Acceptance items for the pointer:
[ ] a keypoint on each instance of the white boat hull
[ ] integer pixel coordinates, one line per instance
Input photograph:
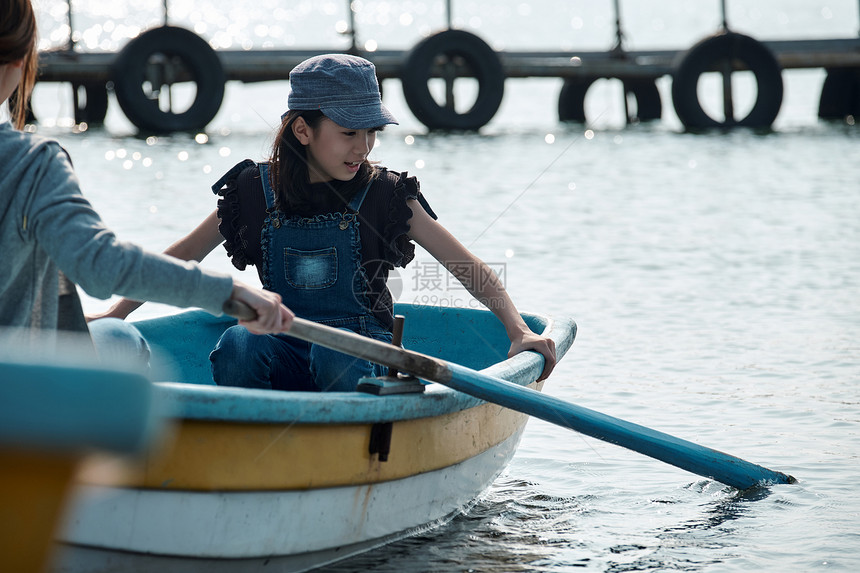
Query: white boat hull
(141, 531)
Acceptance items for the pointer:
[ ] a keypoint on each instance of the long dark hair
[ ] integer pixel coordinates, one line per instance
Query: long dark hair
(288, 165)
(17, 42)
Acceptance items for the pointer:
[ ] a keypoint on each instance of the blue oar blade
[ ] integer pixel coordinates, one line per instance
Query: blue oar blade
(686, 455)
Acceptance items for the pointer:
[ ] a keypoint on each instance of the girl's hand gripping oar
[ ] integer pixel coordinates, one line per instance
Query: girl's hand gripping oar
(686, 455)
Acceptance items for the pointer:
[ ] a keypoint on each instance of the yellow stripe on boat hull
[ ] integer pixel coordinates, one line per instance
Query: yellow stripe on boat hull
(229, 456)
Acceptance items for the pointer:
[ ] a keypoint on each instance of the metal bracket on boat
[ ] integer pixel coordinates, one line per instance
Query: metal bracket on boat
(394, 382)
(387, 385)
(380, 440)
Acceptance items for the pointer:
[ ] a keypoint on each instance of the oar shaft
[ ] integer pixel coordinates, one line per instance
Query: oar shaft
(407, 361)
(681, 453)
(354, 344)
(686, 455)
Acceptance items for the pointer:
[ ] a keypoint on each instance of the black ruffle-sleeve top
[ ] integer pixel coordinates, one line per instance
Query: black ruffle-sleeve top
(383, 217)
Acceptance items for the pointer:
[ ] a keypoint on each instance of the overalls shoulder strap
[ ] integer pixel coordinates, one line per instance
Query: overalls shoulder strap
(356, 202)
(267, 185)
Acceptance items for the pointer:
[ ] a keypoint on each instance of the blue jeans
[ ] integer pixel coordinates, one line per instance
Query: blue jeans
(120, 342)
(280, 362)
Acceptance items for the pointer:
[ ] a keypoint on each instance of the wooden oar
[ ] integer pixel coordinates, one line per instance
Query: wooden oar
(694, 458)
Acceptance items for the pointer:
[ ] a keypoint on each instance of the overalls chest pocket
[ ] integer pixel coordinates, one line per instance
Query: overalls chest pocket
(310, 269)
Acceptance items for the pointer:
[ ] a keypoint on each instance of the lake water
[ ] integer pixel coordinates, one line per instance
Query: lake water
(715, 278)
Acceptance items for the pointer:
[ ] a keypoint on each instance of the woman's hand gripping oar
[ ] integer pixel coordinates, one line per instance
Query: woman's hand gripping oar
(686, 455)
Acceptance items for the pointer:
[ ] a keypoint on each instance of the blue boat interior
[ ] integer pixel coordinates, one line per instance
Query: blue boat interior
(470, 337)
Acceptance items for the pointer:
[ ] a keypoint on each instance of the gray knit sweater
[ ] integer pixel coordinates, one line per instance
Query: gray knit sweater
(46, 226)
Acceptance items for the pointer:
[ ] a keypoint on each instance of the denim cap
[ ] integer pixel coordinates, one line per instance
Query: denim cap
(341, 86)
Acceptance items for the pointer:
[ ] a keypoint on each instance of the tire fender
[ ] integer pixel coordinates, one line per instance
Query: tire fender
(93, 108)
(840, 94)
(705, 56)
(483, 63)
(185, 54)
(571, 100)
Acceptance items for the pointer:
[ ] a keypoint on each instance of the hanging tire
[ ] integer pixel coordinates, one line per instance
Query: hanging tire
(91, 103)
(571, 100)
(162, 57)
(706, 56)
(453, 48)
(840, 94)
(649, 106)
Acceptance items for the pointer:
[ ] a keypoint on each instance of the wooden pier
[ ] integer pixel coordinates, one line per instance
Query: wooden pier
(250, 66)
(142, 72)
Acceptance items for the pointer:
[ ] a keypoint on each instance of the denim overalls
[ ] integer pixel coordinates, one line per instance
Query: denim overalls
(315, 265)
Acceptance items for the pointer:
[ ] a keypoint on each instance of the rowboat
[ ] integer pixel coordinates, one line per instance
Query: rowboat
(56, 415)
(291, 481)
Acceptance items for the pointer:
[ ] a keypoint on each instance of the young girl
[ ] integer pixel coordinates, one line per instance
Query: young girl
(323, 227)
(51, 237)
